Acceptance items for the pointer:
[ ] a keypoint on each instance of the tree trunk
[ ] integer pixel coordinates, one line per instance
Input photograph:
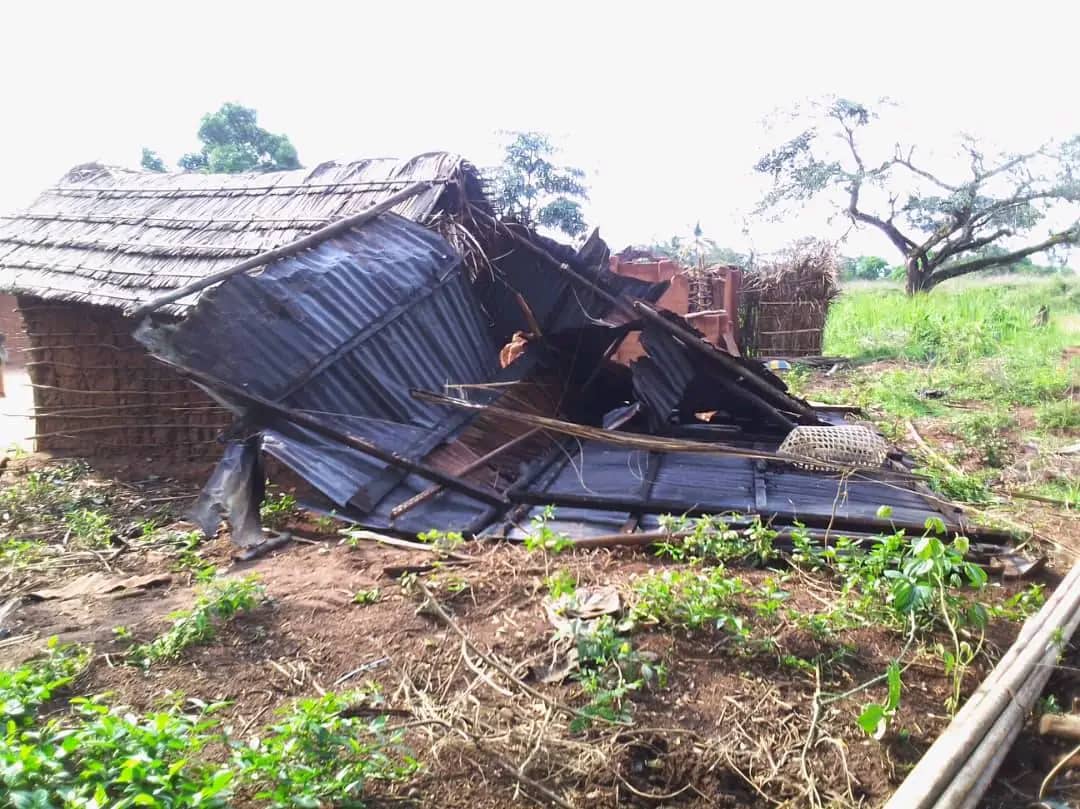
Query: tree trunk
(918, 275)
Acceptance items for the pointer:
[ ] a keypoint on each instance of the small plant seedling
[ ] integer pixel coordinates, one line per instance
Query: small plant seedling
(276, 511)
(875, 717)
(326, 523)
(542, 537)
(89, 527)
(365, 597)
(443, 541)
(219, 602)
(561, 583)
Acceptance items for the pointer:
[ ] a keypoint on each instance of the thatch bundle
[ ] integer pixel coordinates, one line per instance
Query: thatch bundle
(785, 301)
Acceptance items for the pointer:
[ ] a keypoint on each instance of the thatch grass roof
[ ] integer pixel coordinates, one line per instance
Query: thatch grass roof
(117, 237)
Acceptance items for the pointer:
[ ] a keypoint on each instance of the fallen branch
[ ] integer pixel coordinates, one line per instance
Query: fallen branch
(931, 453)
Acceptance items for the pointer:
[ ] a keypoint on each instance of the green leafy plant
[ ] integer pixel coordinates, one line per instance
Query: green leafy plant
(691, 599)
(90, 527)
(711, 538)
(609, 670)
(365, 597)
(875, 717)
(219, 602)
(443, 541)
(561, 583)
(1063, 414)
(543, 537)
(24, 689)
(317, 754)
(104, 756)
(277, 510)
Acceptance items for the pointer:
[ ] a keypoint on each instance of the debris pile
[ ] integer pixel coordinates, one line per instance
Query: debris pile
(369, 364)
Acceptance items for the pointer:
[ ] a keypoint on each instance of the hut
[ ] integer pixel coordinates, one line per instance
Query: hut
(105, 240)
(785, 302)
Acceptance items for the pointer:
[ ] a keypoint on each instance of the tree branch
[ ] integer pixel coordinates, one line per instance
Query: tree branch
(966, 243)
(1070, 236)
(901, 242)
(906, 163)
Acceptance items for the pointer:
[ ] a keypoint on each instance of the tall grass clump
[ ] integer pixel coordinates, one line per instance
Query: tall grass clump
(948, 325)
(997, 342)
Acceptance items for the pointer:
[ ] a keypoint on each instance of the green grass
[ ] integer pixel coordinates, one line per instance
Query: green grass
(977, 343)
(989, 346)
(950, 325)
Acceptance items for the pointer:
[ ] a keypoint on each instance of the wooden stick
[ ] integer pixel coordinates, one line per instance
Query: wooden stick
(312, 239)
(481, 493)
(1063, 726)
(472, 466)
(959, 759)
(931, 453)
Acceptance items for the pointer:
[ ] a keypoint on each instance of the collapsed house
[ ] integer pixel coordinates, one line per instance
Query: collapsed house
(433, 367)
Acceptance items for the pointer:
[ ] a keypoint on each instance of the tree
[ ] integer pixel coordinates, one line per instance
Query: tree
(234, 142)
(532, 189)
(864, 268)
(151, 161)
(939, 223)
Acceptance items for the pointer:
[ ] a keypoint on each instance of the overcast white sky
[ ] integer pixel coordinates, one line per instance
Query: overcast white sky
(662, 103)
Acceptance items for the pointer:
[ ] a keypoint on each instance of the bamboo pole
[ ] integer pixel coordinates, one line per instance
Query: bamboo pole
(1004, 699)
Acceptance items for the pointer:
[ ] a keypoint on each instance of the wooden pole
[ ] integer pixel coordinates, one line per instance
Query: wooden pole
(285, 250)
(947, 774)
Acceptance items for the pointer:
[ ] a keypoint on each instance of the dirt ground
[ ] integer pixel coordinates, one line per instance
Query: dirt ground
(729, 728)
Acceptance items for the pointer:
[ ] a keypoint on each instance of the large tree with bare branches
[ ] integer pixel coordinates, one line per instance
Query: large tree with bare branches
(941, 221)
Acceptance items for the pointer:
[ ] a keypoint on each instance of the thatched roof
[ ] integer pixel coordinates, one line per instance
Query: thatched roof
(117, 237)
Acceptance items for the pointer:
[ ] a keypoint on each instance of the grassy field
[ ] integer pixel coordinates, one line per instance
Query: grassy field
(988, 367)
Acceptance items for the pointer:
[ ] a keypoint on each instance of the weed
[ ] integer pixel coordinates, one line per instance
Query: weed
(1049, 704)
(983, 432)
(317, 755)
(609, 670)
(90, 527)
(1060, 415)
(326, 523)
(16, 553)
(1022, 605)
(443, 541)
(111, 757)
(690, 599)
(710, 537)
(543, 538)
(561, 583)
(365, 597)
(219, 602)
(24, 689)
(875, 717)
(276, 511)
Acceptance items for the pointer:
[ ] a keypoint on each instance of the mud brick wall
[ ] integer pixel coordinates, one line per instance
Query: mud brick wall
(97, 393)
(13, 329)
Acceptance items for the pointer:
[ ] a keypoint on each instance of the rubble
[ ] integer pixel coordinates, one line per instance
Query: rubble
(412, 392)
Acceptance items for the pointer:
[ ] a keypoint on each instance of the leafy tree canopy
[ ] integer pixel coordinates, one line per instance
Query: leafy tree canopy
(151, 161)
(864, 268)
(234, 142)
(940, 223)
(531, 188)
